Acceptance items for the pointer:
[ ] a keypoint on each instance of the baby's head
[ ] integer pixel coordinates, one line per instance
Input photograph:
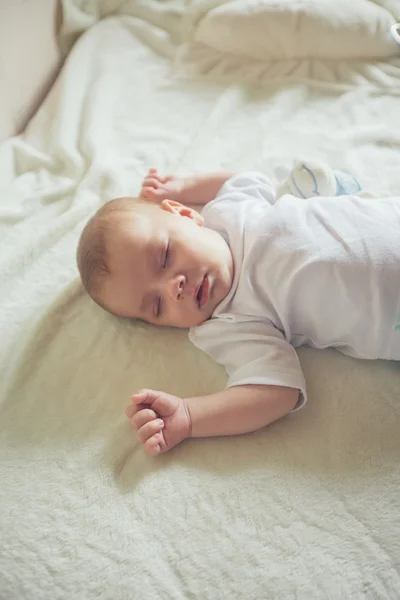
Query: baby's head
(156, 262)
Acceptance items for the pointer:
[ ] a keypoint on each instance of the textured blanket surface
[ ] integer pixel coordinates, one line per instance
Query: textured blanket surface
(305, 509)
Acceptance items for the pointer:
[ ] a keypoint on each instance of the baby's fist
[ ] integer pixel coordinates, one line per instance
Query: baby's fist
(161, 421)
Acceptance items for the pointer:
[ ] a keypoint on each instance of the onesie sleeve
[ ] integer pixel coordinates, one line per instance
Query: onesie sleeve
(252, 352)
(248, 184)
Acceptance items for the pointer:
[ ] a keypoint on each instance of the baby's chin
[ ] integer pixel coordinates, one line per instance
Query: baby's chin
(189, 323)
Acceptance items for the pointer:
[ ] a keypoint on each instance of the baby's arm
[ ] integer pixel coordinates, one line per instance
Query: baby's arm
(239, 409)
(162, 421)
(197, 189)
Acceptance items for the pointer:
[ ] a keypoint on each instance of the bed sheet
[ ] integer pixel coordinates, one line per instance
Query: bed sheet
(307, 508)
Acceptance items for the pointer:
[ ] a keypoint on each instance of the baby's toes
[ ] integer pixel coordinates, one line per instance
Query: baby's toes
(148, 430)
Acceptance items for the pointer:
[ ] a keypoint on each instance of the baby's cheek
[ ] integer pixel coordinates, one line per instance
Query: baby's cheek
(179, 316)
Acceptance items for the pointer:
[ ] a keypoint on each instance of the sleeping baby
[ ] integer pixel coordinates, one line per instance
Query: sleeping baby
(256, 274)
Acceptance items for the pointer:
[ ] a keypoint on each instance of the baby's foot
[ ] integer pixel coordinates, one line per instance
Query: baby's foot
(157, 188)
(312, 178)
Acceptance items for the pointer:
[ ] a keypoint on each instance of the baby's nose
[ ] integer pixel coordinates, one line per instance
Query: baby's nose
(176, 287)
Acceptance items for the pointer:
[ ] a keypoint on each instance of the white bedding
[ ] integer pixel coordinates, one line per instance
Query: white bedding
(306, 509)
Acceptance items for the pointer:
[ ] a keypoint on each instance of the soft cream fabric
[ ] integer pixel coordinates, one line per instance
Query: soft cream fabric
(306, 509)
(29, 59)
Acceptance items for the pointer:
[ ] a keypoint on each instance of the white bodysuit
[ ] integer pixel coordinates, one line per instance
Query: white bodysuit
(322, 271)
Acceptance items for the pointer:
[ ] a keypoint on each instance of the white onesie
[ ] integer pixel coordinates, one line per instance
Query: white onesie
(323, 272)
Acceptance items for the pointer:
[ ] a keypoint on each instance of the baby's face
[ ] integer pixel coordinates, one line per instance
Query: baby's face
(165, 267)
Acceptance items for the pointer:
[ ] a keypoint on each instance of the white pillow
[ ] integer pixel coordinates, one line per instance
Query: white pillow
(292, 29)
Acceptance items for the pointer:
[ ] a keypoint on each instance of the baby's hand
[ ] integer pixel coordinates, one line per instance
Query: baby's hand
(161, 421)
(157, 188)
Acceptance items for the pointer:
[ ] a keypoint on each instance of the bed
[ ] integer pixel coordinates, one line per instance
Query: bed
(305, 509)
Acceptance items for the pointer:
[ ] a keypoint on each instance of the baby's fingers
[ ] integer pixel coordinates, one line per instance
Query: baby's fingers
(142, 417)
(142, 413)
(163, 404)
(153, 445)
(151, 182)
(149, 430)
(154, 174)
(153, 194)
(145, 397)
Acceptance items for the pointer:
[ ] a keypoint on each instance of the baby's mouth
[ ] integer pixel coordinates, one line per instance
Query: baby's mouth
(202, 292)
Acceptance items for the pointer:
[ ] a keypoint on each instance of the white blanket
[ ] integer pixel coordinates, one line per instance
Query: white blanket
(307, 508)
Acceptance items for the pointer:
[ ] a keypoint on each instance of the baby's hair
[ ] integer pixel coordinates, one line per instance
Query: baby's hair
(92, 252)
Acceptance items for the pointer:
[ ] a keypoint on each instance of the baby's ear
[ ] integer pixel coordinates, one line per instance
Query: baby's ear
(176, 208)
